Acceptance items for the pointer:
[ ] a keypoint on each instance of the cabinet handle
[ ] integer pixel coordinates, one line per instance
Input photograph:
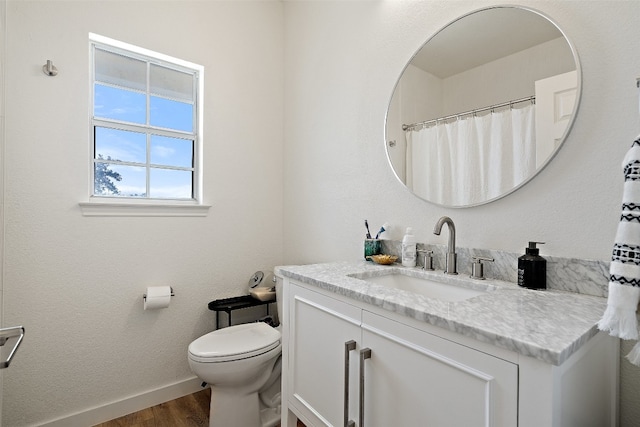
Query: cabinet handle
(365, 353)
(349, 346)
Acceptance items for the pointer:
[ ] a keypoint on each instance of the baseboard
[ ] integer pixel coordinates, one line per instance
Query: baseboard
(107, 412)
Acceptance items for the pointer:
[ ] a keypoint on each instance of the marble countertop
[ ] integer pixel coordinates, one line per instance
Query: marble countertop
(548, 325)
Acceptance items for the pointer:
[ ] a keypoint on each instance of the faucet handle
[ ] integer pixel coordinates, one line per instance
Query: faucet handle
(477, 268)
(428, 259)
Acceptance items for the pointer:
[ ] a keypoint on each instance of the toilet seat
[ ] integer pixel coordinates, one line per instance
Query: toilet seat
(234, 343)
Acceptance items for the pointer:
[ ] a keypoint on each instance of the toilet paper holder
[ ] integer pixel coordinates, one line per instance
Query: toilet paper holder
(144, 296)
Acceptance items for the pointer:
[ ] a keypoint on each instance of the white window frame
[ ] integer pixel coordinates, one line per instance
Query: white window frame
(100, 205)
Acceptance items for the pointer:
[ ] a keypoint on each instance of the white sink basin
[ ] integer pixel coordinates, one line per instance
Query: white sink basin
(430, 288)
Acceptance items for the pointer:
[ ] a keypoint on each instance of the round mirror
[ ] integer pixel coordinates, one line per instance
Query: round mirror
(483, 106)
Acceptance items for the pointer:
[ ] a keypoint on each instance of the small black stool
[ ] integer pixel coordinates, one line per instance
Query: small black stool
(229, 305)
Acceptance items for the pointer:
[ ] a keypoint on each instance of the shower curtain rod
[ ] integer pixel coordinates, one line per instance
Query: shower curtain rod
(466, 113)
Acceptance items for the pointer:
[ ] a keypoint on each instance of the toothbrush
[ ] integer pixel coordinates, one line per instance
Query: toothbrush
(366, 224)
(382, 230)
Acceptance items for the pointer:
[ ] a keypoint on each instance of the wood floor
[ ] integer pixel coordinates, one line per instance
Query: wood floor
(188, 411)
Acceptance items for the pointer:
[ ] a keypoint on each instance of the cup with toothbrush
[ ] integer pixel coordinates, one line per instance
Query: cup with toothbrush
(372, 246)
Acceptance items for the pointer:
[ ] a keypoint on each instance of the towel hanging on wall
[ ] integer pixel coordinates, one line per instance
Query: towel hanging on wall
(619, 318)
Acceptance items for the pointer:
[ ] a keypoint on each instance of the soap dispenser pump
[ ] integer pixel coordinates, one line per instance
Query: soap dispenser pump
(532, 268)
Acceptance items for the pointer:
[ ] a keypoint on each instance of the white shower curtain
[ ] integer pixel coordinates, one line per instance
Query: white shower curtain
(474, 159)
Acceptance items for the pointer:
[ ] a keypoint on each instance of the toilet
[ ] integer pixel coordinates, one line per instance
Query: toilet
(242, 364)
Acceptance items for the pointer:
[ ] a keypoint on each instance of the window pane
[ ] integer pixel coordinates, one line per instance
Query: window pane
(120, 70)
(145, 113)
(171, 114)
(171, 83)
(119, 104)
(113, 144)
(171, 151)
(124, 181)
(171, 184)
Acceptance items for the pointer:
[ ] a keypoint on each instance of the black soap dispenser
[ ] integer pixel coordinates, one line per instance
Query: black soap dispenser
(532, 268)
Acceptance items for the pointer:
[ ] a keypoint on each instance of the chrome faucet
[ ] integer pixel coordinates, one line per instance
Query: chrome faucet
(450, 262)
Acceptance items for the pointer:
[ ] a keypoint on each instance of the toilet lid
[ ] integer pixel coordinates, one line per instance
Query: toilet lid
(235, 342)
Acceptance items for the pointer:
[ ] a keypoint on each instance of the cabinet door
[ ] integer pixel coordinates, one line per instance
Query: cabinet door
(417, 379)
(319, 328)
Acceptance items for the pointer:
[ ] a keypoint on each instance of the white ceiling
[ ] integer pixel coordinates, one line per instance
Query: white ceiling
(483, 37)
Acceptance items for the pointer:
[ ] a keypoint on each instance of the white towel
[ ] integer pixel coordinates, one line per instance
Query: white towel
(619, 318)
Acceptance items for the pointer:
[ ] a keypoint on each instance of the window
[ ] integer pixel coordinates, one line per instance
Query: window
(146, 127)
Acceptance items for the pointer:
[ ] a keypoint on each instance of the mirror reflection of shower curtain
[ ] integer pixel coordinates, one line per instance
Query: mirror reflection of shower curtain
(474, 159)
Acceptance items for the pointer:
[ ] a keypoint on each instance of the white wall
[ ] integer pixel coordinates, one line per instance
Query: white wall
(507, 78)
(343, 59)
(421, 95)
(75, 282)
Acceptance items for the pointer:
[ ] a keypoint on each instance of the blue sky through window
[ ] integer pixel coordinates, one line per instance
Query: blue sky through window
(130, 146)
(171, 114)
(120, 104)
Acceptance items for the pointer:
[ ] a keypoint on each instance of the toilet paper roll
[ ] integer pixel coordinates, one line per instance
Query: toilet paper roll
(157, 297)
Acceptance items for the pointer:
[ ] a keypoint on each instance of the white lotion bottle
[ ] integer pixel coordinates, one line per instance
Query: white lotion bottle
(409, 249)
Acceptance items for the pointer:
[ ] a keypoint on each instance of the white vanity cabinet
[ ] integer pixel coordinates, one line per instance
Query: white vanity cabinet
(414, 378)
(401, 372)
(411, 377)
(319, 330)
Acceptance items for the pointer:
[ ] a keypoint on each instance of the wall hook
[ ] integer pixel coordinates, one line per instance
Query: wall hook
(49, 69)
